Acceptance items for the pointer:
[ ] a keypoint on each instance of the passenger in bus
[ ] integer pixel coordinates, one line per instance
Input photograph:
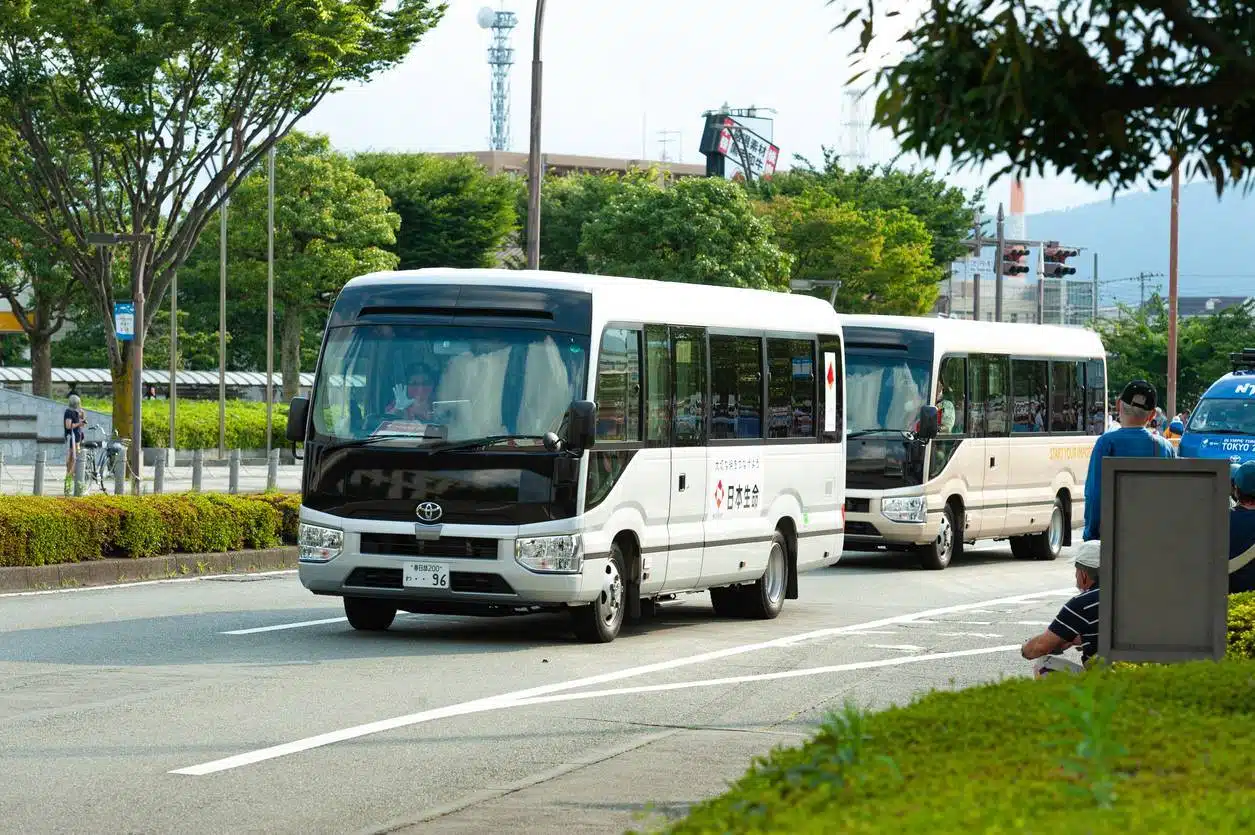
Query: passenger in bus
(945, 410)
(1132, 440)
(1242, 531)
(412, 400)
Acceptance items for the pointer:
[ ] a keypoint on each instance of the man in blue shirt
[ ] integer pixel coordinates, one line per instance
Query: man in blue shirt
(1077, 622)
(1131, 440)
(1242, 531)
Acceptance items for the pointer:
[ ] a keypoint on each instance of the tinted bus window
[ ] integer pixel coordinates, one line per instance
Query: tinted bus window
(791, 390)
(1028, 412)
(619, 386)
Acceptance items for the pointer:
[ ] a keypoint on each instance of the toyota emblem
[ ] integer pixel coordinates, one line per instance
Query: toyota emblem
(429, 512)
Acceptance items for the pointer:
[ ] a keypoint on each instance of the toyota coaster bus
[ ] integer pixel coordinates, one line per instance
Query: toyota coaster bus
(1015, 409)
(493, 442)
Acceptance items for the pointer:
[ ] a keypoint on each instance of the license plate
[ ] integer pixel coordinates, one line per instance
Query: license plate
(425, 575)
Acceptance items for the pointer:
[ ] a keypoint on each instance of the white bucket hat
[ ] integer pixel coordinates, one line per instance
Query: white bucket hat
(1088, 554)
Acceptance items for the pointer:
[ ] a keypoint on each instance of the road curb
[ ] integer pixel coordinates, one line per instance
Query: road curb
(113, 571)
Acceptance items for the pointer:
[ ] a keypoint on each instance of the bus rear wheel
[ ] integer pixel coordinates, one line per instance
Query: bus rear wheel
(1048, 544)
(939, 553)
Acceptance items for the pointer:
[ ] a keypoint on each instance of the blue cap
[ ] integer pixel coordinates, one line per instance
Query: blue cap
(1177, 426)
(1244, 478)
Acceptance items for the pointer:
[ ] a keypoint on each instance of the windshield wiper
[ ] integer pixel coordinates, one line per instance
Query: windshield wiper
(485, 441)
(1222, 432)
(371, 440)
(861, 432)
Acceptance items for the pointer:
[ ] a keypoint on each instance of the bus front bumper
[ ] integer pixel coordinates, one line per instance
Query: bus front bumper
(867, 525)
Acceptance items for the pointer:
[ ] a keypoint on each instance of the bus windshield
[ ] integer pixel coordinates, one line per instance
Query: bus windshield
(446, 383)
(1224, 416)
(884, 390)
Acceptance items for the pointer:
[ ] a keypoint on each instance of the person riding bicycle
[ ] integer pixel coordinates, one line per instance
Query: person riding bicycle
(73, 420)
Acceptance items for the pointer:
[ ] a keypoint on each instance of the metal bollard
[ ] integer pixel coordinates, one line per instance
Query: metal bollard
(80, 485)
(159, 472)
(198, 469)
(41, 461)
(272, 470)
(119, 474)
(233, 472)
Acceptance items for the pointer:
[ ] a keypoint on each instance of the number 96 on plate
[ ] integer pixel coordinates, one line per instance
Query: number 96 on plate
(425, 575)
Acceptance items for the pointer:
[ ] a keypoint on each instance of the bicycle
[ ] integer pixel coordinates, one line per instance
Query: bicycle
(101, 457)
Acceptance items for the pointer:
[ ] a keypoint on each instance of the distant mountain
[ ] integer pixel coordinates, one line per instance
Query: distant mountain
(1131, 236)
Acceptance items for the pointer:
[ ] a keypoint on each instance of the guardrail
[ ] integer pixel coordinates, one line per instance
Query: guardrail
(105, 474)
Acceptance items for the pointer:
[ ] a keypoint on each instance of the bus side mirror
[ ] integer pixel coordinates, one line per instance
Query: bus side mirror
(298, 415)
(927, 423)
(581, 425)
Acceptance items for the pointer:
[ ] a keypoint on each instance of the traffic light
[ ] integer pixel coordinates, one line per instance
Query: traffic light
(1055, 257)
(1013, 256)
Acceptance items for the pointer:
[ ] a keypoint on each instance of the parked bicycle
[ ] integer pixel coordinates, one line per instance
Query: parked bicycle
(101, 457)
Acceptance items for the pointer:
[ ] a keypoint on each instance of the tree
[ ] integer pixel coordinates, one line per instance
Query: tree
(700, 230)
(1137, 346)
(165, 105)
(946, 211)
(1104, 89)
(453, 212)
(882, 258)
(39, 290)
(331, 224)
(569, 202)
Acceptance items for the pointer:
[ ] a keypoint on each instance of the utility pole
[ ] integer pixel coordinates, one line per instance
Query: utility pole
(1095, 299)
(1002, 244)
(978, 244)
(1172, 288)
(535, 170)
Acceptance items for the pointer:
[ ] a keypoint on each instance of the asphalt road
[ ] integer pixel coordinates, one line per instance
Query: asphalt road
(248, 705)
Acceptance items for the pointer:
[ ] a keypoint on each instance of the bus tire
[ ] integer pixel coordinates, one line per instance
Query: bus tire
(600, 621)
(1022, 547)
(367, 615)
(727, 601)
(1048, 544)
(764, 599)
(939, 553)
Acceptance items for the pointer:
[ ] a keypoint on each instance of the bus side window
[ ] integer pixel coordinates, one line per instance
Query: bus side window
(657, 385)
(978, 388)
(689, 353)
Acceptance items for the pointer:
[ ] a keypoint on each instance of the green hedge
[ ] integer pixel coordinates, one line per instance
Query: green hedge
(42, 530)
(197, 423)
(1135, 748)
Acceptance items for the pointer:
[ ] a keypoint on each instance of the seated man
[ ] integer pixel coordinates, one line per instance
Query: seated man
(1077, 622)
(1242, 530)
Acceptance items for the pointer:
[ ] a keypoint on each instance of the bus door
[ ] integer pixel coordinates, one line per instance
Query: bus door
(686, 527)
(987, 510)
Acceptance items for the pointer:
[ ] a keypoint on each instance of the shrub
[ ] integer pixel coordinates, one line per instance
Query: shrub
(41, 530)
(196, 423)
(1153, 748)
(1242, 625)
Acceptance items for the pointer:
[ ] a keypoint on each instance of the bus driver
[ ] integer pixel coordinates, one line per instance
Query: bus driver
(413, 399)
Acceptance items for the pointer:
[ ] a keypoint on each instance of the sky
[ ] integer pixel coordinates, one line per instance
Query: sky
(617, 74)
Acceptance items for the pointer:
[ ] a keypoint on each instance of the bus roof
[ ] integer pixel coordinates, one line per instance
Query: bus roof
(1236, 384)
(965, 335)
(617, 298)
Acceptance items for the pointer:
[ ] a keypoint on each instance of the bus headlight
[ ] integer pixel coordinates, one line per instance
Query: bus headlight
(551, 554)
(319, 544)
(904, 508)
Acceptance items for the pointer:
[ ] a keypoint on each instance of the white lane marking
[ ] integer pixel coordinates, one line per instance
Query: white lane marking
(169, 581)
(904, 647)
(280, 626)
(491, 702)
(968, 635)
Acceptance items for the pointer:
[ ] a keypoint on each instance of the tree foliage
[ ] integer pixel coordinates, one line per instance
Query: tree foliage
(699, 230)
(118, 116)
(1104, 89)
(1137, 347)
(453, 212)
(881, 257)
(331, 224)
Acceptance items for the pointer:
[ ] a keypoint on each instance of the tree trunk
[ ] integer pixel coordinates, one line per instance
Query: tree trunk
(290, 350)
(41, 363)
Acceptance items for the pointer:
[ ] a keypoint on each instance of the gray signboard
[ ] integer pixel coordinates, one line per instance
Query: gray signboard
(1165, 550)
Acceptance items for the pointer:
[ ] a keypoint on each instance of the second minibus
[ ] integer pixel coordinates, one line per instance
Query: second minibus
(1017, 409)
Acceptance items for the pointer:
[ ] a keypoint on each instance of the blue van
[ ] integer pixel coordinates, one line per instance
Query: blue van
(1222, 425)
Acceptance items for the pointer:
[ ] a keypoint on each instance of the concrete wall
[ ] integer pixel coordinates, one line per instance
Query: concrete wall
(28, 423)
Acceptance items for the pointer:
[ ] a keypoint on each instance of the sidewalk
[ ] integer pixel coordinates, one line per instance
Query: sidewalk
(20, 479)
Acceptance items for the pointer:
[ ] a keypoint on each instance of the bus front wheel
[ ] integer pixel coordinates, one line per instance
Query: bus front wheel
(368, 615)
(938, 554)
(599, 622)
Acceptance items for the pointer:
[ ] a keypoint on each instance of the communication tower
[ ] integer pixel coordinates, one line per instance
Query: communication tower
(855, 129)
(500, 59)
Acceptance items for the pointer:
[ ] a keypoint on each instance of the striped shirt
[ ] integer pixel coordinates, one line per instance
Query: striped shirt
(1079, 616)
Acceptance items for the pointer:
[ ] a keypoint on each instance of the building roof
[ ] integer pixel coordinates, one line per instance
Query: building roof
(1204, 305)
(502, 161)
(152, 376)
